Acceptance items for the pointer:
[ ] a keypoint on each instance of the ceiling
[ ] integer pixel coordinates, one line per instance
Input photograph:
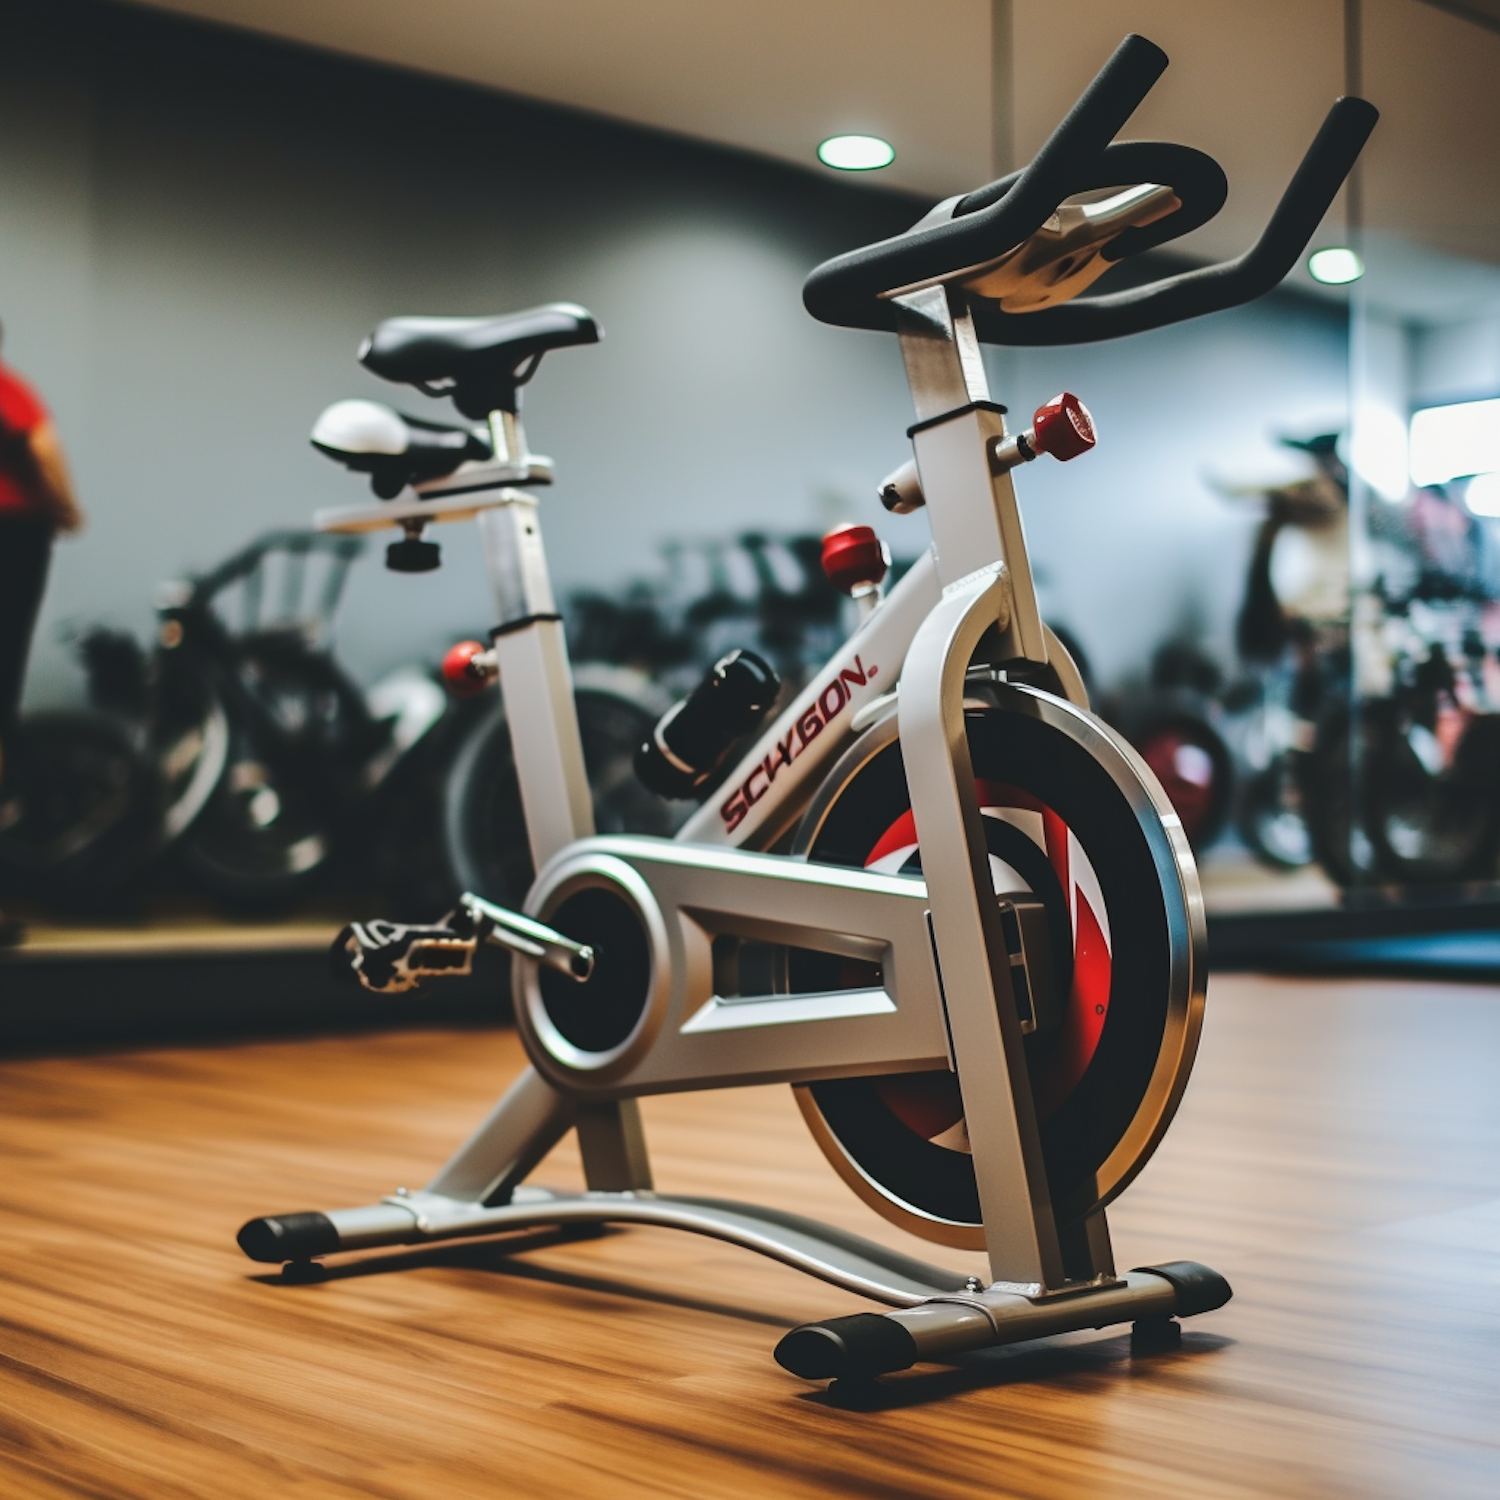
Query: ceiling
(962, 87)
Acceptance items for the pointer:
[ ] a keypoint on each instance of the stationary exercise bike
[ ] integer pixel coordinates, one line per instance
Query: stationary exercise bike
(935, 894)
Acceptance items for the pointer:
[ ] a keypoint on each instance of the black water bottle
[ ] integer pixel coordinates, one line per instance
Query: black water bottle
(692, 739)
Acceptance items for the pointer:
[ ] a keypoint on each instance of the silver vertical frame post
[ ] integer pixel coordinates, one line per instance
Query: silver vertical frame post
(987, 586)
(1023, 1247)
(536, 682)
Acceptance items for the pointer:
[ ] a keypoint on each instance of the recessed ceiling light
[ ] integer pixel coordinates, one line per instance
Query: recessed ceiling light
(856, 153)
(1335, 266)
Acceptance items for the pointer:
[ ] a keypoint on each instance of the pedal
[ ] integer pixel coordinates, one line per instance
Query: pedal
(391, 958)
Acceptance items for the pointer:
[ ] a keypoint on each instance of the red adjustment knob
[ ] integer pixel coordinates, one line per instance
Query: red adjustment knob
(854, 556)
(465, 673)
(1063, 428)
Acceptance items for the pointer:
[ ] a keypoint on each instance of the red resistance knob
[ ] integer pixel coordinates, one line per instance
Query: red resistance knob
(1063, 428)
(853, 556)
(467, 668)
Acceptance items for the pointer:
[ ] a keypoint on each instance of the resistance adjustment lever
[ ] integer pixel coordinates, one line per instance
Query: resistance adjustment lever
(391, 958)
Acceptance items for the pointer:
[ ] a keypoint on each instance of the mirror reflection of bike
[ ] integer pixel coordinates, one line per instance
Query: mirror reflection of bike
(757, 590)
(246, 743)
(1414, 797)
(241, 745)
(1292, 635)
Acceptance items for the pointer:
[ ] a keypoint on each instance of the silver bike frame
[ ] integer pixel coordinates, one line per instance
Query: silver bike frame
(945, 997)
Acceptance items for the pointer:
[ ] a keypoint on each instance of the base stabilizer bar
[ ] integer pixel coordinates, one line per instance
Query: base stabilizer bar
(864, 1345)
(424, 1218)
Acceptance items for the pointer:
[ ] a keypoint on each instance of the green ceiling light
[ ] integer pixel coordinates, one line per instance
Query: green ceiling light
(856, 153)
(1335, 266)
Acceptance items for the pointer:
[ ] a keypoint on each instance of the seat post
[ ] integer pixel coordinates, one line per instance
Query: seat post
(536, 679)
(508, 436)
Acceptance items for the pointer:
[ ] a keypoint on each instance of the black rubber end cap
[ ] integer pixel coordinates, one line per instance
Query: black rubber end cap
(860, 1346)
(289, 1237)
(1199, 1289)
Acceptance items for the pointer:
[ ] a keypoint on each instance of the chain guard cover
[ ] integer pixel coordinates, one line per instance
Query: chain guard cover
(1073, 816)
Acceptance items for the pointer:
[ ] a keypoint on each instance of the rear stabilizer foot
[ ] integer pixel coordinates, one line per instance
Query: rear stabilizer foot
(858, 1347)
(1199, 1288)
(1155, 1335)
(304, 1272)
(289, 1237)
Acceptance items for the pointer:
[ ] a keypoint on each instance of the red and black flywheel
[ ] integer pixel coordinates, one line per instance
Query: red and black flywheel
(1074, 819)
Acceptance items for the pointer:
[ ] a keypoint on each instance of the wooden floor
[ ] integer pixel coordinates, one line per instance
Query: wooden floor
(1338, 1158)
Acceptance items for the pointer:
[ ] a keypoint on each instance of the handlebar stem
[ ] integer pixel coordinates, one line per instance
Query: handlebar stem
(976, 523)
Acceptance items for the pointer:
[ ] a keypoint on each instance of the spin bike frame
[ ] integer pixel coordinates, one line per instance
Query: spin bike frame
(971, 593)
(945, 997)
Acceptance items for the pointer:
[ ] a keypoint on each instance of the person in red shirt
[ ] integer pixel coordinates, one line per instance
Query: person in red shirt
(36, 502)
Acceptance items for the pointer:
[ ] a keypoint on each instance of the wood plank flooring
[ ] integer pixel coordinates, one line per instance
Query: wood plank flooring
(1338, 1158)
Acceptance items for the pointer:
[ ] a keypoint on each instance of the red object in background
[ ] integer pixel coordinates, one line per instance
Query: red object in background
(1063, 428)
(854, 555)
(462, 678)
(21, 413)
(1188, 775)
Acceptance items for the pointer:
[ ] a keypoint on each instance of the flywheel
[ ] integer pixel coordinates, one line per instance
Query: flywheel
(1075, 819)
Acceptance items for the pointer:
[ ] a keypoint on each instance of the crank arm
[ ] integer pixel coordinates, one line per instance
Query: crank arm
(525, 935)
(393, 958)
(686, 1015)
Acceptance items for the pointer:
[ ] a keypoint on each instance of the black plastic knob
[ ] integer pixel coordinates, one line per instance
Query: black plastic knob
(412, 555)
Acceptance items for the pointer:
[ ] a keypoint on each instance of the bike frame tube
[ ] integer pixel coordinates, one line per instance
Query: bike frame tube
(774, 779)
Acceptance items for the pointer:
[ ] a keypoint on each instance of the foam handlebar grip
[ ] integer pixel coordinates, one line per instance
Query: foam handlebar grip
(848, 290)
(1308, 196)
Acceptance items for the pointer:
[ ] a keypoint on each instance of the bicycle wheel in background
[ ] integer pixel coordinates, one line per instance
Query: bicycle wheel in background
(486, 831)
(1430, 823)
(81, 808)
(1338, 844)
(1192, 762)
(271, 827)
(1270, 817)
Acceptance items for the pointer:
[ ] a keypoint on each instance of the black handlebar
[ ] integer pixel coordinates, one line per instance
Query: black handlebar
(853, 290)
(1072, 149)
(848, 290)
(1212, 288)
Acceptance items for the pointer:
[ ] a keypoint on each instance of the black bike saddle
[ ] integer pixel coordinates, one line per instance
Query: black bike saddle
(395, 451)
(480, 362)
